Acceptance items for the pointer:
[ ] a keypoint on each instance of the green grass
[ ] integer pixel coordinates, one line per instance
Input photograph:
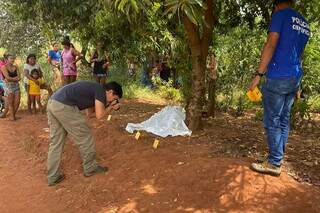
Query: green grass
(162, 94)
(315, 103)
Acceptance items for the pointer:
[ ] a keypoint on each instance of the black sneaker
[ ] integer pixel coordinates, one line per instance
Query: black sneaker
(97, 170)
(58, 180)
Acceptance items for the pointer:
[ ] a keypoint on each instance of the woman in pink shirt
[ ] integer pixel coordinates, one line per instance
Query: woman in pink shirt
(69, 57)
(3, 62)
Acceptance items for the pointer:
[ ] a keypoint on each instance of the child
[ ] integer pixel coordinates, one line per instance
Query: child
(34, 90)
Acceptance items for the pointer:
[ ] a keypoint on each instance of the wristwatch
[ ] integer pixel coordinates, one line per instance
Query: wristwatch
(258, 73)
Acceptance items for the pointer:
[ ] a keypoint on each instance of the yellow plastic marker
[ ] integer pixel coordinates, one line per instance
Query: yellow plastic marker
(109, 118)
(137, 135)
(254, 95)
(155, 143)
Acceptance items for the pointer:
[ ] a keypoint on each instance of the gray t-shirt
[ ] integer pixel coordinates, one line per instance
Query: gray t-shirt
(81, 94)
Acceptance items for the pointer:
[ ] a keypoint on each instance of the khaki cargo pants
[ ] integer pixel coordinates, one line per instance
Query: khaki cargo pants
(64, 119)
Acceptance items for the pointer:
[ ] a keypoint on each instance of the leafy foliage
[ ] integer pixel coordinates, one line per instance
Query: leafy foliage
(18, 35)
(146, 30)
(311, 63)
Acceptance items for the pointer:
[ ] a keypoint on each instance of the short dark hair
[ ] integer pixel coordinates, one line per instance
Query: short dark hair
(34, 71)
(5, 55)
(31, 55)
(66, 41)
(115, 87)
(276, 2)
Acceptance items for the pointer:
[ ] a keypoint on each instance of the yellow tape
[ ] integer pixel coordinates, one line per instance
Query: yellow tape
(155, 143)
(137, 135)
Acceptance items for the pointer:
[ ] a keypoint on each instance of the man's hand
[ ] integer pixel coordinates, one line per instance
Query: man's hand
(254, 82)
(115, 105)
(90, 112)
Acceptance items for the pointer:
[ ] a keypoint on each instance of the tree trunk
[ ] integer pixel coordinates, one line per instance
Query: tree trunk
(211, 97)
(198, 42)
(198, 92)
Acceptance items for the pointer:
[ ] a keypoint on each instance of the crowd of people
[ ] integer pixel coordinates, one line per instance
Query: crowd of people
(64, 71)
(65, 103)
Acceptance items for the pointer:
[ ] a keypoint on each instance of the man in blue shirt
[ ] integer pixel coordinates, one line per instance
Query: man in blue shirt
(54, 59)
(281, 63)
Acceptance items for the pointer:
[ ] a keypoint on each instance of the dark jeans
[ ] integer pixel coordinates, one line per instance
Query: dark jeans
(278, 97)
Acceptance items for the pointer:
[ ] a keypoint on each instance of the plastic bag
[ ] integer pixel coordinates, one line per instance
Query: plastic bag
(169, 121)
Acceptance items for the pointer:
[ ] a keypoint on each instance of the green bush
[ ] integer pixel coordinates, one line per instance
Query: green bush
(238, 54)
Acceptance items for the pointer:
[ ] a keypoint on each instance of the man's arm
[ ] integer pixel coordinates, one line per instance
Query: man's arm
(89, 112)
(266, 56)
(268, 51)
(101, 111)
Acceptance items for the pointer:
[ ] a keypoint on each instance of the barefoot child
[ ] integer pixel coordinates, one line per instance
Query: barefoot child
(34, 90)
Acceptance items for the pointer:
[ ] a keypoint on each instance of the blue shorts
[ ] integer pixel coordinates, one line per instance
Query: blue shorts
(11, 88)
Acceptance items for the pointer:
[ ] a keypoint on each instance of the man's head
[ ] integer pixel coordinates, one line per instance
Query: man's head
(279, 4)
(113, 92)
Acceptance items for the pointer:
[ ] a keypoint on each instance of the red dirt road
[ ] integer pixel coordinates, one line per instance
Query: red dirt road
(179, 176)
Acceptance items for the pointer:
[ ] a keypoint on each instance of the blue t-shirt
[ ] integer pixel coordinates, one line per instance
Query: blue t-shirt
(294, 34)
(56, 56)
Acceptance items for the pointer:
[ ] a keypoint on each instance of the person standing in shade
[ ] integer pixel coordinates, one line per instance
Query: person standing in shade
(54, 59)
(64, 117)
(69, 58)
(281, 63)
(31, 64)
(11, 77)
(101, 64)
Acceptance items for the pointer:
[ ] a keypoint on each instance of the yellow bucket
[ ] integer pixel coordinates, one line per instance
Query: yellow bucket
(254, 95)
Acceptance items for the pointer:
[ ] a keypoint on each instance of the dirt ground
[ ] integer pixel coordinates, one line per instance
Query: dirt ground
(207, 172)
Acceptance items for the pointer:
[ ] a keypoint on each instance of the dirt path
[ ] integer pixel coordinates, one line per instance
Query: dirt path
(182, 175)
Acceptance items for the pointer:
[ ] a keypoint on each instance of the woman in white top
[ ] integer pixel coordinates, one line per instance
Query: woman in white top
(31, 64)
